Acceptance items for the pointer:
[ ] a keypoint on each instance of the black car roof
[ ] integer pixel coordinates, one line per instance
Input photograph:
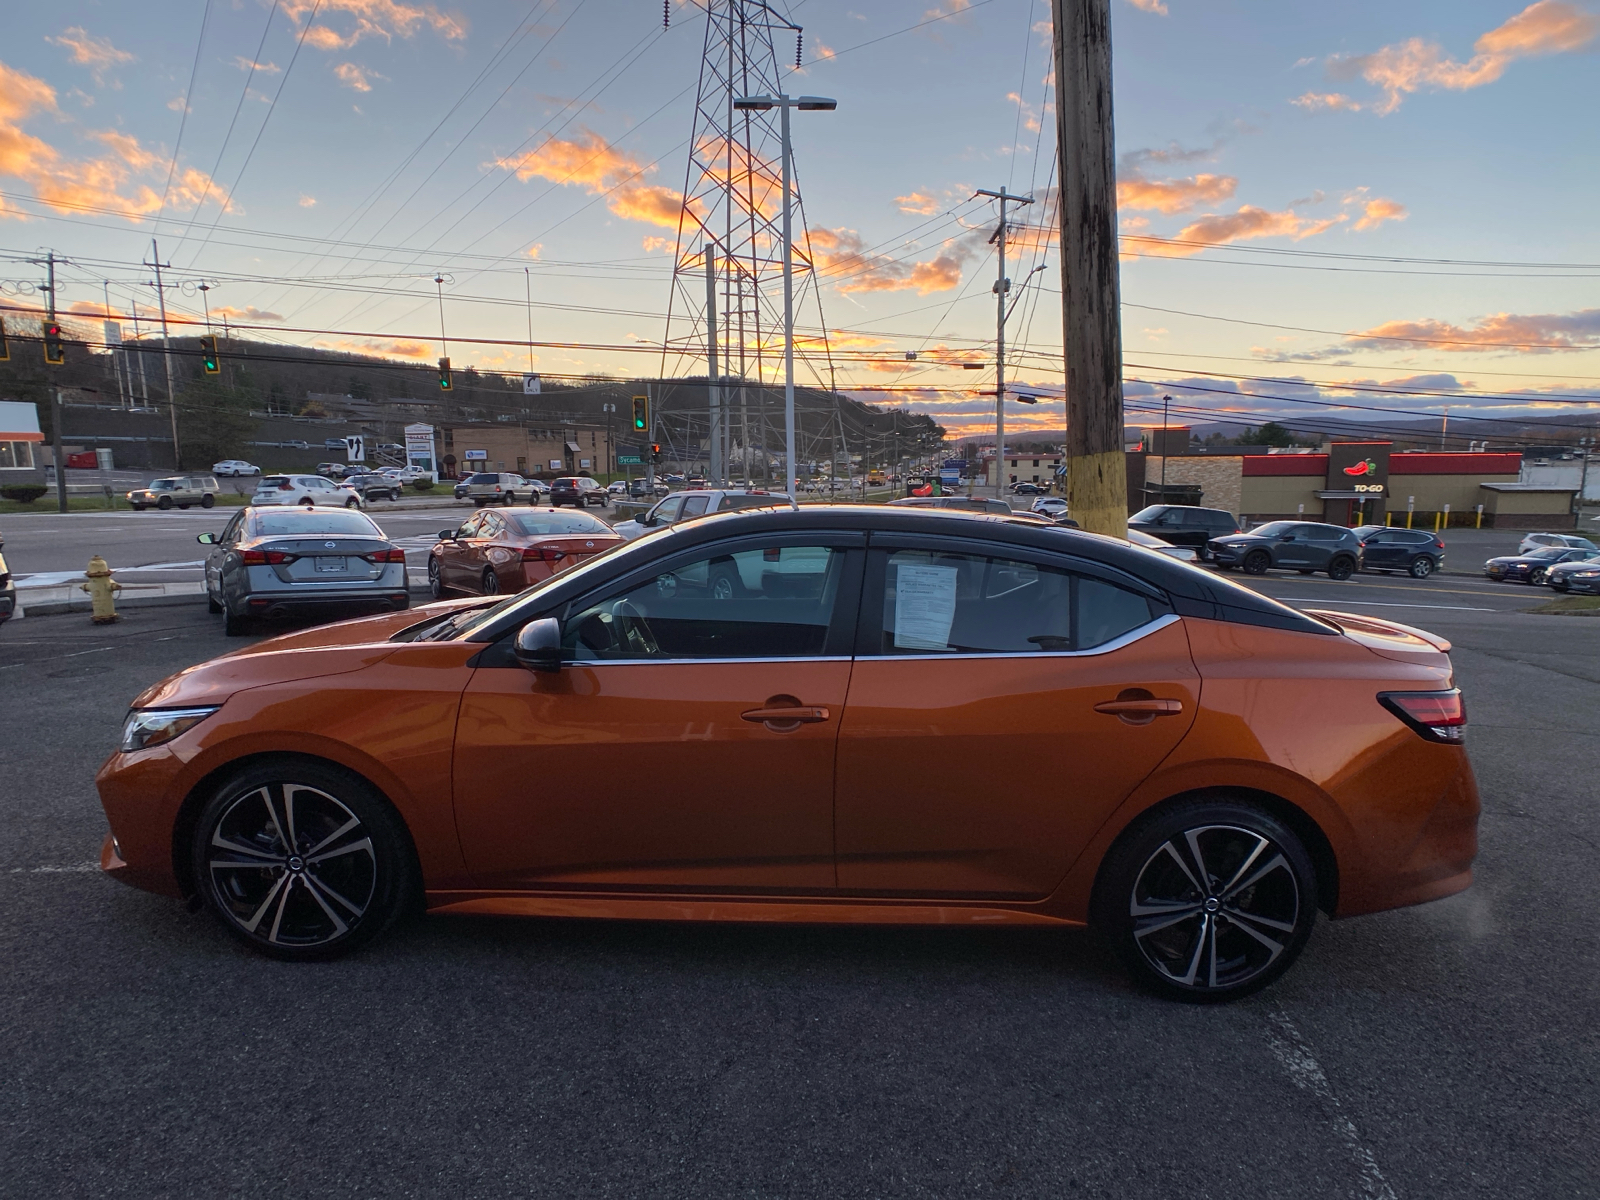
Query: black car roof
(1192, 592)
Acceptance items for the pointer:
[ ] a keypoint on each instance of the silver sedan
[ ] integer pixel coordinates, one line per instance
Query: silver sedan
(280, 562)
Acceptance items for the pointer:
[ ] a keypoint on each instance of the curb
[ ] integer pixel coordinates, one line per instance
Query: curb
(81, 603)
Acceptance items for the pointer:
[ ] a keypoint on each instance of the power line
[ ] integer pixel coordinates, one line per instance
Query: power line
(188, 96)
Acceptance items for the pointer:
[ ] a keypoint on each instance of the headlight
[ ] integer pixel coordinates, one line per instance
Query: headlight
(146, 727)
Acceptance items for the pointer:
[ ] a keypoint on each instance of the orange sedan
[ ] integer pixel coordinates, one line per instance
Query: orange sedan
(843, 714)
(513, 548)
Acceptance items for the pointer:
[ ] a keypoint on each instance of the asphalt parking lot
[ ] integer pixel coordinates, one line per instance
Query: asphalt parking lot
(1449, 1050)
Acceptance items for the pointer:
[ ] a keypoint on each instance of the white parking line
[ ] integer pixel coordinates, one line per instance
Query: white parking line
(1294, 1054)
(1380, 603)
(75, 869)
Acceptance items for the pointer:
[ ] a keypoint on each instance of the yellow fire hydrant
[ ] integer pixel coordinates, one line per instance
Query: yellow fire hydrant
(101, 588)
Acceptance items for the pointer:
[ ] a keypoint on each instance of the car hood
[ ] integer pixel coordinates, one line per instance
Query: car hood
(305, 654)
(1517, 560)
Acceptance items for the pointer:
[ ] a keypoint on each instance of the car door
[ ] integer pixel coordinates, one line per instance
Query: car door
(664, 755)
(1388, 549)
(983, 743)
(475, 555)
(453, 552)
(218, 554)
(1321, 542)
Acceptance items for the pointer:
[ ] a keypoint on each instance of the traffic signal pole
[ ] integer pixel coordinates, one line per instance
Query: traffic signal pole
(1097, 474)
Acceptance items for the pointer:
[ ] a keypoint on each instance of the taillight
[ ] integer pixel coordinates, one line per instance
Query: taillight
(386, 556)
(542, 554)
(1438, 545)
(1437, 716)
(265, 558)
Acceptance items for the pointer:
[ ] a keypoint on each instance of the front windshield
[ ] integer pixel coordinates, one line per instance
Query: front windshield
(554, 524)
(314, 523)
(475, 619)
(1149, 514)
(1273, 528)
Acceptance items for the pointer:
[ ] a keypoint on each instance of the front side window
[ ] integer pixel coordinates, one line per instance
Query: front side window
(763, 603)
(937, 602)
(666, 512)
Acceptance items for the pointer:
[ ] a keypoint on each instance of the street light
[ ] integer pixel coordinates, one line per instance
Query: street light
(804, 104)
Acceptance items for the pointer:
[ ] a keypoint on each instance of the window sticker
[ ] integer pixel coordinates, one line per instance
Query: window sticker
(925, 607)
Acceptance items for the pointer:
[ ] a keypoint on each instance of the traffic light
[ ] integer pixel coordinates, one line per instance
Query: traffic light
(208, 355)
(54, 352)
(444, 375)
(641, 414)
(655, 452)
(5, 350)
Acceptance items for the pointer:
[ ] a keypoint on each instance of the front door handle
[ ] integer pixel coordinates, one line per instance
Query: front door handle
(786, 715)
(1137, 708)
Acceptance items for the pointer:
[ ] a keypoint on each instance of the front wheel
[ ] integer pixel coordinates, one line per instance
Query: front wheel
(1421, 567)
(1208, 901)
(300, 860)
(164, 503)
(435, 584)
(1257, 562)
(1341, 568)
(352, 503)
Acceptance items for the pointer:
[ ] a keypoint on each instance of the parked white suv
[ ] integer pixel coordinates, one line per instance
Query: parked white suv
(685, 506)
(313, 491)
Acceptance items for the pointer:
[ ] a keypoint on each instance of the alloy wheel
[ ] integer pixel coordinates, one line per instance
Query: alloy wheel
(1257, 562)
(435, 584)
(291, 865)
(1215, 907)
(1421, 567)
(491, 582)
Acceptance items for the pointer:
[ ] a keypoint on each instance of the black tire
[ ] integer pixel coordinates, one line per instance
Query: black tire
(234, 625)
(1342, 567)
(352, 503)
(140, 507)
(436, 587)
(1421, 567)
(207, 501)
(1306, 571)
(332, 888)
(1256, 562)
(164, 502)
(309, 502)
(1233, 940)
(212, 605)
(490, 582)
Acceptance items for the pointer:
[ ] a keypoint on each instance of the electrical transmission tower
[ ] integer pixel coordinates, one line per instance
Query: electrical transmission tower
(725, 309)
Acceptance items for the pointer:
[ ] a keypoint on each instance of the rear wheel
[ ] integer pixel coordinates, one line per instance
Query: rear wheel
(207, 501)
(1208, 901)
(491, 582)
(1421, 567)
(301, 861)
(309, 502)
(1341, 568)
(1257, 562)
(234, 625)
(211, 602)
(1305, 570)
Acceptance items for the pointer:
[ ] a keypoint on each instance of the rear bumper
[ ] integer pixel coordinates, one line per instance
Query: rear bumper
(348, 603)
(8, 602)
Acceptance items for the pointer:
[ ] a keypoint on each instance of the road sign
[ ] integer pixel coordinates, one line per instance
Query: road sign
(355, 449)
(530, 385)
(630, 456)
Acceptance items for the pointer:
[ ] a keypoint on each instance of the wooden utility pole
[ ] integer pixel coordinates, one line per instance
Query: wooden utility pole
(1097, 479)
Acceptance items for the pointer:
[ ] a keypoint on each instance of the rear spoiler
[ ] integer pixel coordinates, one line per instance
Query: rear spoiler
(1377, 627)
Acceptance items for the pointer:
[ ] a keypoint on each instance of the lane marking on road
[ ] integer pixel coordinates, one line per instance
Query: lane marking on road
(1305, 1072)
(74, 869)
(1387, 604)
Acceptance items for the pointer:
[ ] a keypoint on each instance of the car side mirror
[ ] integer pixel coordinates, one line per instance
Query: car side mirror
(206, 539)
(538, 645)
(447, 535)
(1287, 537)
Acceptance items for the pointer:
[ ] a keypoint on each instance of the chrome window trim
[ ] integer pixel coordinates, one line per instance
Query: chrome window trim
(1115, 644)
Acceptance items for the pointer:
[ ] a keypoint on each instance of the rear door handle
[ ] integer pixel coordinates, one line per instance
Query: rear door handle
(1140, 708)
(786, 715)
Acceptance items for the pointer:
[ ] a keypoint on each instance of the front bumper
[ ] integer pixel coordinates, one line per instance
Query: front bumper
(8, 602)
(1569, 583)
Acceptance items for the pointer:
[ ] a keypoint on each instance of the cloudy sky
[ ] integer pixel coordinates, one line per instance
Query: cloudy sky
(1385, 206)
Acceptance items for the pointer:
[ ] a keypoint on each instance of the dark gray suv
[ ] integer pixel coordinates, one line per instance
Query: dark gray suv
(1302, 546)
(1185, 525)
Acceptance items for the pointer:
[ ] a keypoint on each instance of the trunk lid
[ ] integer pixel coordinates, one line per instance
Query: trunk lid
(1390, 639)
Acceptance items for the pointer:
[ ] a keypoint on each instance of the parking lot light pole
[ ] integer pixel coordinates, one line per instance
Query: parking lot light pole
(805, 104)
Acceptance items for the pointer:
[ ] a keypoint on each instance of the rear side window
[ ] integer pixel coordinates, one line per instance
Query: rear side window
(935, 602)
(694, 506)
(272, 481)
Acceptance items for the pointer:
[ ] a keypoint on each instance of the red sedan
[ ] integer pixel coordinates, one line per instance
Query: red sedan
(513, 548)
